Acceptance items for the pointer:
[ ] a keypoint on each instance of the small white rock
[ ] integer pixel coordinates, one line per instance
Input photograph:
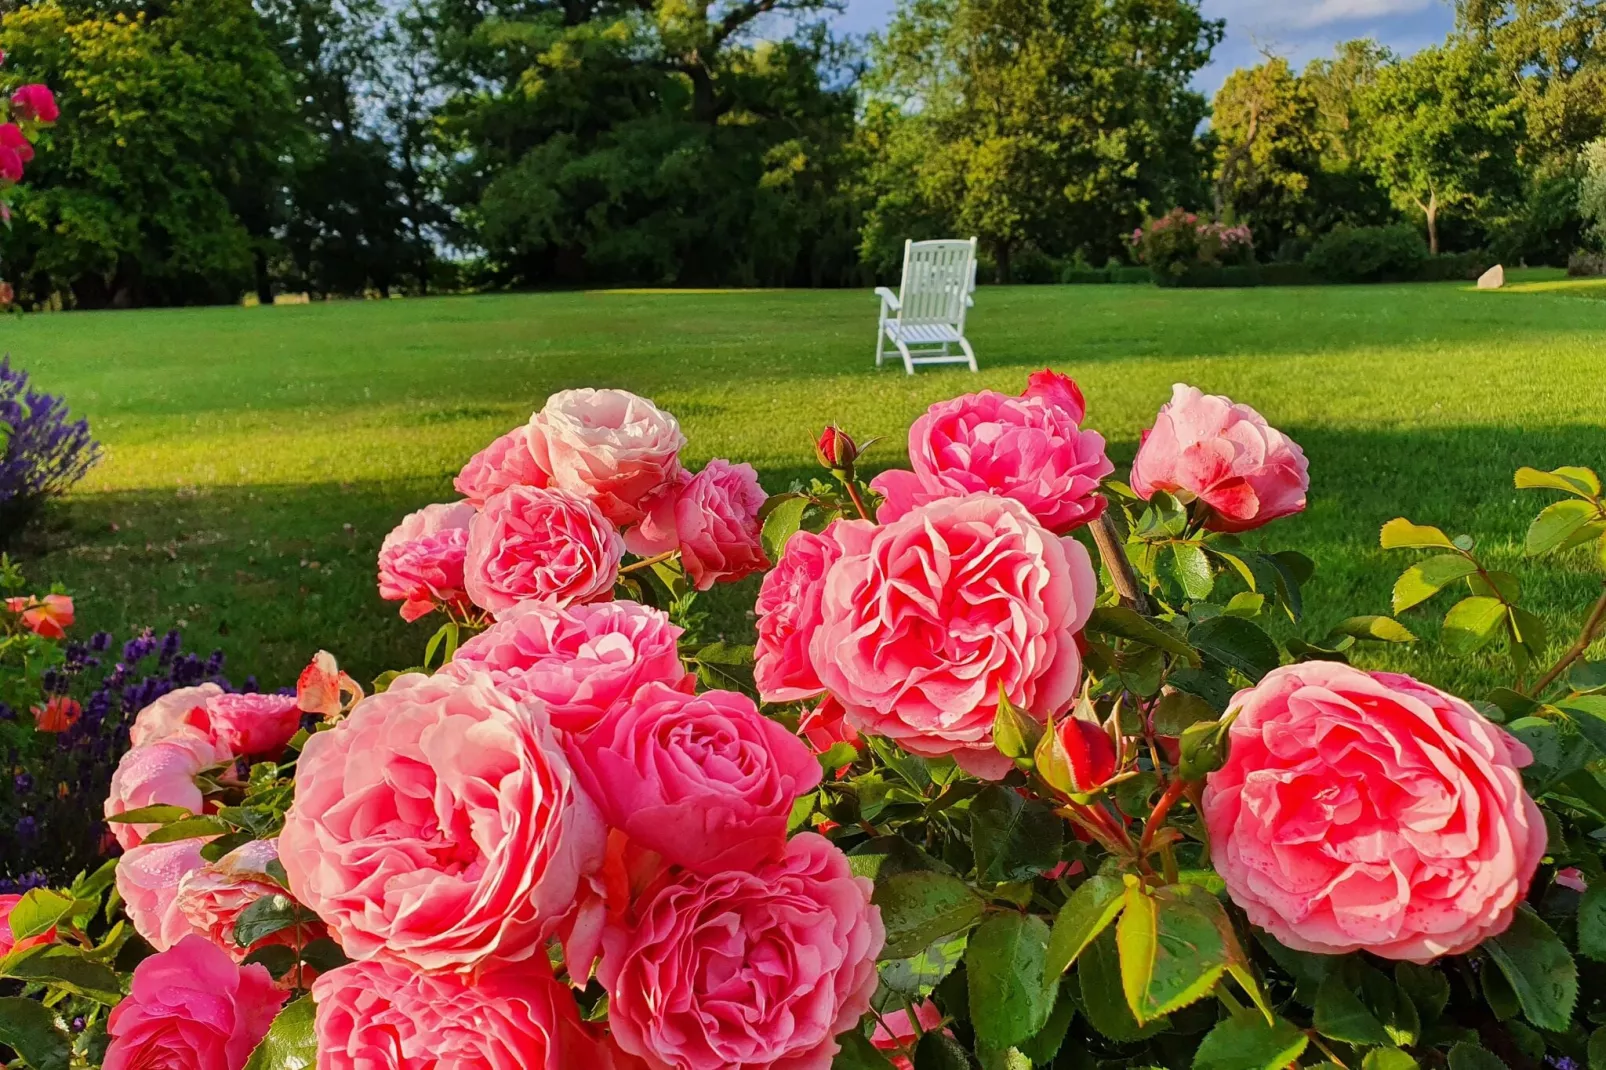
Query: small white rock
(1492, 279)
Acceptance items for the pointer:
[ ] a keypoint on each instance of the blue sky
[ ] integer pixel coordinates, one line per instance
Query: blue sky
(1298, 29)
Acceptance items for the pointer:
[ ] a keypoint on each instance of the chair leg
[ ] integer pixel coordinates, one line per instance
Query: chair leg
(908, 358)
(880, 345)
(971, 353)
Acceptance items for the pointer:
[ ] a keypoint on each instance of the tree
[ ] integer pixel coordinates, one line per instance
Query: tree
(1443, 130)
(1592, 190)
(1058, 123)
(1267, 149)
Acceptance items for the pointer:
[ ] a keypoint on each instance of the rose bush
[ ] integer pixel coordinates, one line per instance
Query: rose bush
(1194, 831)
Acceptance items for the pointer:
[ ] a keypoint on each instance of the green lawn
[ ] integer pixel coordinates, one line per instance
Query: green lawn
(256, 457)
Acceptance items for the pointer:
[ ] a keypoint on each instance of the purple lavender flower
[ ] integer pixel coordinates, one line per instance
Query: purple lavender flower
(23, 783)
(100, 642)
(45, 454)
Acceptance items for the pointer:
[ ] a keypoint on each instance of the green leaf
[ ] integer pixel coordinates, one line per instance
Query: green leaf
(1012, 838)
(1089, 911)
(1046, 1043)
(1247, 1042)
(188, 829)
(1570, 479)
(29, 1028)
(836, 756)
(1427, 578)
(1592, 923)
(1557, 523)
(1401, 534)
(1425, 986)
(1179, 709)
(1467, 1055)
(1245, 604)
(1098, 973)
(263, 918)
(918, 909)
(323, 955)
(1472, 624)
(159, 814)
(1190, 568)
(1236, 643)
(915, 977)
(1124, 623)
(783, 521)
(1383, 629)
(938, 1051)
(1588, 714)
(1009, 1001)
(1388, 1059)
(68, 968)
(1201, 750)
(1341, 1015)
(1540, 969)
(290, 1043)
(1597, 1049)
(39, 911)
(1172, 954)
(1015, 732)
(857, 1054)
(1207, 685)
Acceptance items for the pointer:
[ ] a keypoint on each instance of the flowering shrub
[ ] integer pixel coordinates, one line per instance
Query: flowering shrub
(43, 454)
(1053, 814)
(1179, 241)
(29, 109)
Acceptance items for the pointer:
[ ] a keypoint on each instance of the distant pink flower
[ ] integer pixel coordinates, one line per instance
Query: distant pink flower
(192, 1007)
(507, 462)
(421, 561)
(1206, 447)
(35, 102)
(10, 165)
(746, 970)
(160, 773)
(610, 447)
(439, 823)
(12, 137)
(705, 780)
(381, 1014)
(1059, 390)
(580, 662)
(528, 543)
(896, 1034)
(148, 878)
(212, 897)
(8, 941)
(712, 519)
(927, 617)
(788, 613)
(1026, 448)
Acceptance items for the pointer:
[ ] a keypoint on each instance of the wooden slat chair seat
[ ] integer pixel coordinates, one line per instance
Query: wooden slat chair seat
(926, 318)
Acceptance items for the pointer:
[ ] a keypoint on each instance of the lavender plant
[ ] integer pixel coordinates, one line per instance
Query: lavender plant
(44, 451)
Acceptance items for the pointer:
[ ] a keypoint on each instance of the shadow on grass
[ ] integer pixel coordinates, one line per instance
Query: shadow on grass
(272, 573)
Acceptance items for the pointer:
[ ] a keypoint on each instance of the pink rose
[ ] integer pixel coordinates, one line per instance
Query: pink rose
(381, 1014)
(826, 725)
(1367, 811)
(788, 613)
(211, 898)
(439, 823)
(529, 543)
(1026, 448)
(746, 969)
(581, 662)
(148, 879)
(174, 713)
(925, 618)
(160, 773)
(507, 462)
(35, 102)
(712, 519)
(1206, 447)
(192, 1007)
(1059, 390)
(608, 446)
(705, 780)
(10, 165)
(897, 1035)
(12, 137)
(421, 562)
(8, 941)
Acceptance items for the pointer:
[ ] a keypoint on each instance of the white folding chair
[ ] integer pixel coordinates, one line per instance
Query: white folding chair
(927, 315)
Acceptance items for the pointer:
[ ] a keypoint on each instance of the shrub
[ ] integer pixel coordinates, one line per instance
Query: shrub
(1286, 274)
(1215, 276)
(1448, 266)
(45, 452)
(1179, 241)
(1368, 254)
(1592, 190)
(1586, 264)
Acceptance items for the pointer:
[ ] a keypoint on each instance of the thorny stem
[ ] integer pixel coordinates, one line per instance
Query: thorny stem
(1597, 617)
(852, 486)
(648, 562)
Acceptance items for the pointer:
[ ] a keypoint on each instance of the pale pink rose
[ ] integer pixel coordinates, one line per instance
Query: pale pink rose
(705, 780)
(580, 661)
(175, 712)
(1207, 447)
(746, 970)
(788, 613)
(421, 562)
(925, 618)
(1026, 448)
(608, 446)
(507, 462)
(1367, 811)
(8, 940)
(439, 823)
(381, 1014)
(712, 519)
(211, 898)
(148, 879)
(160, 773)
(897, 1035)
(192, 1007)
(529, 543)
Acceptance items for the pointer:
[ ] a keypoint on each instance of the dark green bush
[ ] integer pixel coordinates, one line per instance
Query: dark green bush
(1286, 274)
(1119, 274)
(1447, 266)
(1368, 254)
(1586, 264)
(1213, 276)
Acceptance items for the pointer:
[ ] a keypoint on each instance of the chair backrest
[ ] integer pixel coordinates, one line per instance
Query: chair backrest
(937, 278)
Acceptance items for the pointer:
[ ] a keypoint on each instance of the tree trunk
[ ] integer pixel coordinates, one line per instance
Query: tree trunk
(1001, 254)
(264, 282)
(1431, 210)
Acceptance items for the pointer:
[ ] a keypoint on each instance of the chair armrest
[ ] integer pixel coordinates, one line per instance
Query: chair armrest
(889, 298)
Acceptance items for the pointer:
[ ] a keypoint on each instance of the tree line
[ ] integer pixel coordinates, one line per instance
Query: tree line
(214, 148)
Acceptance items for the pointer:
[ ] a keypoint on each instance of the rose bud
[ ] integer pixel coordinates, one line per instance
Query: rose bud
(1089, 754)
(836, 449)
